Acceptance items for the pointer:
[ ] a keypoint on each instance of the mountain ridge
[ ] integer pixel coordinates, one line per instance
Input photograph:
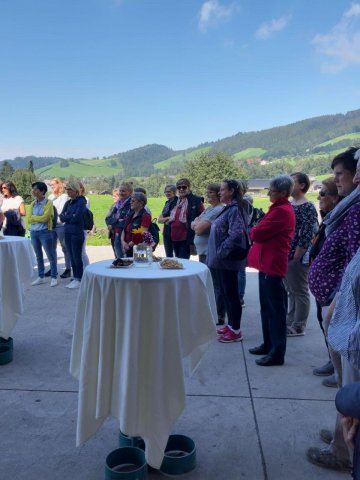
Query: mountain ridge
(309, 136)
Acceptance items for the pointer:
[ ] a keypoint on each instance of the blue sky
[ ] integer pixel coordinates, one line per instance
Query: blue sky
(96, 77)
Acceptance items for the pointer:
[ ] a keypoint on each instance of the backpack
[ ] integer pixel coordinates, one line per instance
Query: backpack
(155, 232)
(88, 219)
(257, 215)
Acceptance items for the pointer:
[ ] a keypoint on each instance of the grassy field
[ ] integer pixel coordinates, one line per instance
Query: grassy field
(100, 204)
(85, 168)
(249, 153)
(349, 136)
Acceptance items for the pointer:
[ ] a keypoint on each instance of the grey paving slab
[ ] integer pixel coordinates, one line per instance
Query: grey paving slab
(225, 436)
(37, 440)
(221, 372)
(287, 428)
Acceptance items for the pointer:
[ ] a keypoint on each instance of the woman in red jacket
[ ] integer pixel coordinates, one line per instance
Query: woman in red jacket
(269, 254)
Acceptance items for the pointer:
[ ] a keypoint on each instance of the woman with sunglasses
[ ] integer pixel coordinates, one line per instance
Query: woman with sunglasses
(328, 199)
(187, 208)
(13, 210)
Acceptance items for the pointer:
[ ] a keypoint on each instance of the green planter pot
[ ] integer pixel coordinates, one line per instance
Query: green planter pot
(126, 441)
(6, 355)
(126, 463)
(180, 455)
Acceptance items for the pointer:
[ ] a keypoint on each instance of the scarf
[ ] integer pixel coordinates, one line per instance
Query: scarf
(183, 204)
(336, 216)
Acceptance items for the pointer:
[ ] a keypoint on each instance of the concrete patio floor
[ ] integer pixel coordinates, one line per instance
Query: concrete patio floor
(248, 422)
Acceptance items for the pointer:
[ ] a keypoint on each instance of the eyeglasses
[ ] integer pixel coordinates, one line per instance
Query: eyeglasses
(4, 188)
(182, 187)
(323, 194)
(272, 191)
(167, 191)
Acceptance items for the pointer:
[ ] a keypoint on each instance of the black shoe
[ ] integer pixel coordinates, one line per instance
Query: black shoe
(48, 273)
(221, 321)
(66, 273)
(268, 361)
(260, 350)
(324, 371)
(330, 382)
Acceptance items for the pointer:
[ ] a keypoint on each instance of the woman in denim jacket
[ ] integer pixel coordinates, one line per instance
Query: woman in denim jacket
(225, 238)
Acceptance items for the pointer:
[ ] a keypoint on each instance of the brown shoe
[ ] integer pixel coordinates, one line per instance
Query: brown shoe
(324, 458)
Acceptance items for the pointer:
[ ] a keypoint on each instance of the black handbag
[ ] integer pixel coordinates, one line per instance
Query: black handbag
(241, 251)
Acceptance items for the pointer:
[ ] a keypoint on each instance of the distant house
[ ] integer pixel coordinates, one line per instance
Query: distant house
(105, 192)
(258, 184)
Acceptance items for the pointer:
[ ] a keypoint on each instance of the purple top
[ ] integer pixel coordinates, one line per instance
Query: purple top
(225, 236)
(340, 246)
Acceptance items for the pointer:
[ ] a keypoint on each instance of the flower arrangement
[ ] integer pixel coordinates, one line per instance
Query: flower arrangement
(142, 237)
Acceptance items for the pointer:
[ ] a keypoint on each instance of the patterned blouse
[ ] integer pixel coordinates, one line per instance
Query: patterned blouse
(340, 246)
(306, 226)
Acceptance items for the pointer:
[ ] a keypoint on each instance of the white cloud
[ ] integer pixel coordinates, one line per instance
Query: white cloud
(212, 12)
(267, 29)
(342, 43)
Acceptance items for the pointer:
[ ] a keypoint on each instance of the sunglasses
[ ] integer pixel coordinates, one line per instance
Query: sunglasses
(323, 194)
(182, 187)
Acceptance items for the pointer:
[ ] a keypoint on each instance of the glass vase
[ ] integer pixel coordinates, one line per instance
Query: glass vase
(142, 255)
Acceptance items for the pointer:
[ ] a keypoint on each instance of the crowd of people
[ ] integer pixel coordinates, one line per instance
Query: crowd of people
(53, 218)
(293, 254)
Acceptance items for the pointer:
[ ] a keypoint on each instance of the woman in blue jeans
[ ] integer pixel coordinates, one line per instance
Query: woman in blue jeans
(41, 225)
(73, 218)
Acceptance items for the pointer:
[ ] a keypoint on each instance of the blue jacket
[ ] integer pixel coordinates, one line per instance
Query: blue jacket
(73, 215)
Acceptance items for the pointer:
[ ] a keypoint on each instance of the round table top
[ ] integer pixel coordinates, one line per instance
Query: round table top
(152, 272)
(12, 239)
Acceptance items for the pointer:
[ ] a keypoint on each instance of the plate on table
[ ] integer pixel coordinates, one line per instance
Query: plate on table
(122, 263)
(170, 264)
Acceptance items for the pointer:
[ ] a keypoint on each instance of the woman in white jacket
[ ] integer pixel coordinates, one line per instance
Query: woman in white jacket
(59, 198)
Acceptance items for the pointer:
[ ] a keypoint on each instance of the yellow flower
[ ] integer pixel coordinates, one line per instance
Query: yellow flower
(138, 230)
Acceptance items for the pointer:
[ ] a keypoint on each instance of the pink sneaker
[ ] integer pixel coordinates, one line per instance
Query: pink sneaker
(222, 330)
(230, 336)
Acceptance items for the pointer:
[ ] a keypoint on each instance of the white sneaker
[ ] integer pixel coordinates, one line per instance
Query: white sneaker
(71, 281)
(53, 282)
(74, 284)
(38, 281)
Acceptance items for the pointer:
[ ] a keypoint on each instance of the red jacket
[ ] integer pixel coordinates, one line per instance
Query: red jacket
(272, 239)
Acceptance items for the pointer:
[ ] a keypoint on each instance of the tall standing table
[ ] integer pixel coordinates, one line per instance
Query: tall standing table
(133, 328)
(17, 265)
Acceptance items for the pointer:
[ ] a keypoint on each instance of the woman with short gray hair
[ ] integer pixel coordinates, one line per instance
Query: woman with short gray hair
(170, 193)
(272, 238)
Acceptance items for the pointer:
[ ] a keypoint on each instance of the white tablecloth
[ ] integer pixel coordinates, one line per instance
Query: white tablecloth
(133, 328)
(17, 265)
